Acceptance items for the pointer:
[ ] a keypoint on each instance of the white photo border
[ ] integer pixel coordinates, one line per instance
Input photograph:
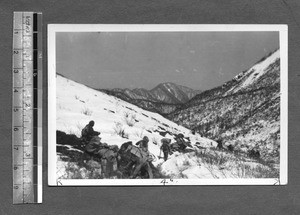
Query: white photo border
(283, 40)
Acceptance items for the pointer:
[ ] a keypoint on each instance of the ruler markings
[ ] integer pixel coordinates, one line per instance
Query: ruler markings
(21, 145)
(26, 157)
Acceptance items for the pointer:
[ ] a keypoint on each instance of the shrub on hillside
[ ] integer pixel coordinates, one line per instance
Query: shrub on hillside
(130, 119)
(86, 111)
(120, 130)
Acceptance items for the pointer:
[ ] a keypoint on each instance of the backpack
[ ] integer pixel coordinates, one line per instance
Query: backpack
(92, 147)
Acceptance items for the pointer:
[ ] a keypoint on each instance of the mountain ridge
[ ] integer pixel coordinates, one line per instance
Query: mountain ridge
(163, 99)
(167, 92)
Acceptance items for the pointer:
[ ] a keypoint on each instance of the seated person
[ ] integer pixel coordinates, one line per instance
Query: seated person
(143, 144)
(88, 132)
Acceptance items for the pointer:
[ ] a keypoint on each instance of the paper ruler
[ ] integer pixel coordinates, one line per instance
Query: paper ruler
(27, 108)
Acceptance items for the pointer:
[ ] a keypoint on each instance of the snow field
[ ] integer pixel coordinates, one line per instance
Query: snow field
(117, 120)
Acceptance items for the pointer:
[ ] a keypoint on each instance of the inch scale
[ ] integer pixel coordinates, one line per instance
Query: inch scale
(27, 108)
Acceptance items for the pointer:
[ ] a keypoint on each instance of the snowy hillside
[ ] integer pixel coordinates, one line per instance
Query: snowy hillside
(243, 112)
(254, 74)
(78, 104)
(119, 122)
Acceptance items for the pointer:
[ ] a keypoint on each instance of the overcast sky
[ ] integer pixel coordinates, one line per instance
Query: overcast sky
(199, 60)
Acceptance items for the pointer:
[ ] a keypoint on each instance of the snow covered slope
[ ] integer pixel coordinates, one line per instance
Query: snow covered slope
(253, 75)
(78, 104)
(243, 112)
(119, 122)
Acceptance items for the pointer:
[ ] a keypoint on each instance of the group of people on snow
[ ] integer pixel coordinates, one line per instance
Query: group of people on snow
(92, 145)
(91, 141)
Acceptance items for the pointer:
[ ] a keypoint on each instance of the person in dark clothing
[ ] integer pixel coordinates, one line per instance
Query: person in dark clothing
(193, 131)
(88, 132)
(220, 144)
(143, 144)
(181, 142)
(165, 147)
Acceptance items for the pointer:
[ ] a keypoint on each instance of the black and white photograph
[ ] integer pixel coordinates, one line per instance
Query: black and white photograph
(167, 104)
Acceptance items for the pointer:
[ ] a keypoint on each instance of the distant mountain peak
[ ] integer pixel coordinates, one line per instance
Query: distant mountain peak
(166, 92)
